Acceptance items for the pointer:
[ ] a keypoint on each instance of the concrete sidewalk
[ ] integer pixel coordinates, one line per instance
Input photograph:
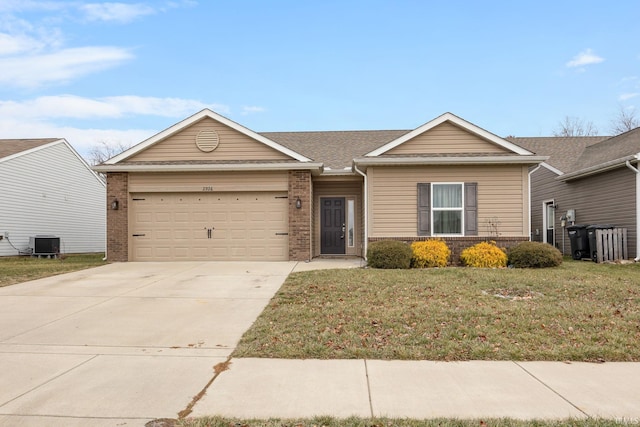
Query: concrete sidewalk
(264, 388)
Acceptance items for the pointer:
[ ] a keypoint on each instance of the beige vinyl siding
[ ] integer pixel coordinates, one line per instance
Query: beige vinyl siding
(208, 181)
(446, 138)
(607, 198)
(502, 195)
(350, 189)
(233, 145)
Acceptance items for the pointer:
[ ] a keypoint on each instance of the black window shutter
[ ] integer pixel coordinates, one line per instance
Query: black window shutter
(424, 209)
(471, 209)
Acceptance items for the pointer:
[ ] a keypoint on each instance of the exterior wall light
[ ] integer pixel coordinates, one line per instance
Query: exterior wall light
(115, 205)
(298, 203)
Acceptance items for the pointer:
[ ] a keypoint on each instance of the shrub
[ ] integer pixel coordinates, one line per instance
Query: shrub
(389, 254)
(430, 253)
(534, 255)
(484, 254)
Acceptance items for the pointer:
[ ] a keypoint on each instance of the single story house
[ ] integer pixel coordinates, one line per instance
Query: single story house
(51, 194)
(208, 188)
(585, 180)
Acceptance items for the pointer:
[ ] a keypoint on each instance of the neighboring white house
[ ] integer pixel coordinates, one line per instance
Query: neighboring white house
(46, 188)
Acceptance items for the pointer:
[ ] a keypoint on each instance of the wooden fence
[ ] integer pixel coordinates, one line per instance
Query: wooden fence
(611, 245)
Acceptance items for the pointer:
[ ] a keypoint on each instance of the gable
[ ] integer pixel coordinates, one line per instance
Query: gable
(446, 138)
(232, 145)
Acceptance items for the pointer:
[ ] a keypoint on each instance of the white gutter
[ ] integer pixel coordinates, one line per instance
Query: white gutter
(480, 160)
(529, 190)
(206, 167)
(366, 210)
(628, 163)
(602, 167)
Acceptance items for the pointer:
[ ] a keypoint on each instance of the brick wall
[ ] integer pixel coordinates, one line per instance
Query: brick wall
(300, 219)
(117, 220)
(458, 244)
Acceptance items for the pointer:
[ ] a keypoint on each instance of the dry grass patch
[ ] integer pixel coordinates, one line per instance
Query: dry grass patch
(21, 269)
(580, 311)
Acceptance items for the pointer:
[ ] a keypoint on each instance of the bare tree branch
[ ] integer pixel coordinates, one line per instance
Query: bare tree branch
(103, 151)
(625, 120)
(574, 126)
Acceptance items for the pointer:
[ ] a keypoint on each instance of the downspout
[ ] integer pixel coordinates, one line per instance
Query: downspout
(637, 258)
(366, 210)
(529, 207)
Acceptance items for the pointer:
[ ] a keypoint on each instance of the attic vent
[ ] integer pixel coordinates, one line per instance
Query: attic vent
(207, 140)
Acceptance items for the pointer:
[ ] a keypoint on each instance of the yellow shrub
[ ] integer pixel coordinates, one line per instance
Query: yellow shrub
(484, 254)
(430, 253)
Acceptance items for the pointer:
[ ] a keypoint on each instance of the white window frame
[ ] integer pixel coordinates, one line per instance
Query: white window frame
(434, 209)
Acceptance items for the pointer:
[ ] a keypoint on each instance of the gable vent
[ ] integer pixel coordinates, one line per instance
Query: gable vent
(207, 140)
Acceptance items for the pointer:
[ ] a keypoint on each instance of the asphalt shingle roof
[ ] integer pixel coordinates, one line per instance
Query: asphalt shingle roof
(9, 147)
(625, 144)
(564, 152)
(336, 149)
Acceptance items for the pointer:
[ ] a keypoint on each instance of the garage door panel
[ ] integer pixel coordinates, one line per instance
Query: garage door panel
(243, 226)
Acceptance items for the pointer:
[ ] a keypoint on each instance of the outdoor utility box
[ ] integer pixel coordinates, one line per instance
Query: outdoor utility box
(44, 245)
(579, 241)
(591, 233)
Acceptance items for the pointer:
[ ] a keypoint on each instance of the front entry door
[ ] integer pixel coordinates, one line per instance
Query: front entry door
(332, 228)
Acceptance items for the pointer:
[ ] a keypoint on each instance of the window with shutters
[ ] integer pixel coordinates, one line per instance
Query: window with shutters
(447, 209)
(446, 214)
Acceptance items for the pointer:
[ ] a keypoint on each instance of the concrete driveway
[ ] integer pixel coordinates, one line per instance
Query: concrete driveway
(124, 343)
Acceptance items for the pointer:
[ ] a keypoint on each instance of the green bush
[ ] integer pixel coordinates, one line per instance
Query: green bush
(389, 254)
(484, 254)
(534, 255)
(430, 253)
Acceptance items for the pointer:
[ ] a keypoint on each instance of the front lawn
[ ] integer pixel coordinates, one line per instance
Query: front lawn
(21, 269)
(580, 311)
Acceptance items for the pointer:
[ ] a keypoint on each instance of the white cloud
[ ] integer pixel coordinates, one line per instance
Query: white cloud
(76, 107)
(81, 139)
(586, 57)
(36, 118)
(115, 12)
(28, 5)
(626, 96)
(13, 44)
(60, 66)
(252, 109)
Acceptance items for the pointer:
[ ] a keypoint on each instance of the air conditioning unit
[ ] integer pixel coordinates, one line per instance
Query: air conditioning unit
(44, 245)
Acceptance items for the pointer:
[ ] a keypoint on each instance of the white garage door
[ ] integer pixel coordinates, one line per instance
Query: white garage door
(209, 226)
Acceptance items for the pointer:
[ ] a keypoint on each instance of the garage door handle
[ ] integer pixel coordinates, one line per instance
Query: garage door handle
(282, 234)
(139, 235)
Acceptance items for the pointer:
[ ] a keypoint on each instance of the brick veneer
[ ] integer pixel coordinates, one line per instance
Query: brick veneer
(117, 220)
(458, 244)
(300, 219)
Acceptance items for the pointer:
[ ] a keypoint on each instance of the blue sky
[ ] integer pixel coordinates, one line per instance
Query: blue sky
(120, 72)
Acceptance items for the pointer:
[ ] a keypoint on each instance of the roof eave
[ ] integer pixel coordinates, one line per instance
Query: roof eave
(471, 160)
(593, 170)
(338, 172)
(315, 168)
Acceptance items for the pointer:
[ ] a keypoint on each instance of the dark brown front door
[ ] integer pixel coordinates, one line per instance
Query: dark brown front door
(332, 228)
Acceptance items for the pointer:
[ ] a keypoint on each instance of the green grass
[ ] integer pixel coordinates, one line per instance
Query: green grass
(387, 422)
(21, 269)
(580, 311)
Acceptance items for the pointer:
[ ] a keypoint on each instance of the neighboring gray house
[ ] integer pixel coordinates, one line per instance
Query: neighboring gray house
(48, 189)
(597, 177)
